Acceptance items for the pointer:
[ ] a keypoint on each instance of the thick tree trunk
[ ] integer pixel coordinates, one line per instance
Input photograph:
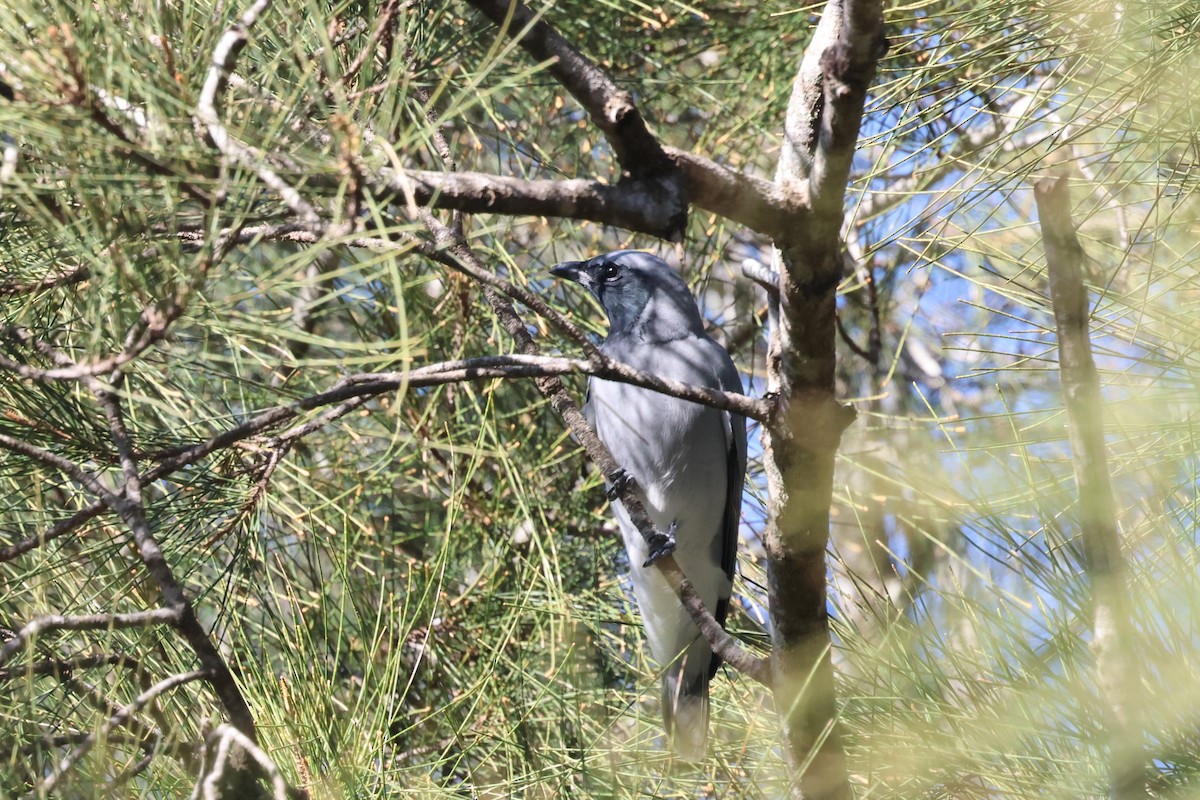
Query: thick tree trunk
(801, 441)
(800, 445)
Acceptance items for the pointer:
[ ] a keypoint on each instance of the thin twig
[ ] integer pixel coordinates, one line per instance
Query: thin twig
(77, 274)
(129, 506)
(60, 528)
(223, 59)
(256, 494)
(764, 276)
(849, 340)
(62, 667)
(385, 21)
(63, 465)
(157, 323)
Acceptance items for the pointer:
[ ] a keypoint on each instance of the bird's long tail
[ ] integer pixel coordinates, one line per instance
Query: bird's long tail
(685, 703)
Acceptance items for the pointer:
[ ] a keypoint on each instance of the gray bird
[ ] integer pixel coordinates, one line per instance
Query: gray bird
(688, 462)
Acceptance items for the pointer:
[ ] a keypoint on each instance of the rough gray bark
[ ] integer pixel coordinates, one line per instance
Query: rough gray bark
(801, 441)
(646, 205)
(1112, 628)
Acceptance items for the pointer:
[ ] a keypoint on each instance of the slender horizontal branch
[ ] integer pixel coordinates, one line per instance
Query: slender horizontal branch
(538, 366)
(86, 622)
(361, 387)
(65, 666)
(485, 367)
(642, 205)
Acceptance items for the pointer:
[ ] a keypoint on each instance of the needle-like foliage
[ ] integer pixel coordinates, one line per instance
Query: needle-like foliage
(414, 585)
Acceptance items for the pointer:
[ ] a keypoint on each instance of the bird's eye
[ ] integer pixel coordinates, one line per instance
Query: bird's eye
(609, 272)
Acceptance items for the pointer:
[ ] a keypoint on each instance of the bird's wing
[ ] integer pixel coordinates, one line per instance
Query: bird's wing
(735, 469)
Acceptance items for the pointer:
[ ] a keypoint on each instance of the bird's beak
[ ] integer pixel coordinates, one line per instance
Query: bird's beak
(568, 270)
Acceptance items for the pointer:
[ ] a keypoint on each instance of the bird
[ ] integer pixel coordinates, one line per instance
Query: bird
(687, 462)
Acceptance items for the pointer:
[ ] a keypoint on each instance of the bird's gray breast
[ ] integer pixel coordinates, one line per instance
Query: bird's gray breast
(676, 450)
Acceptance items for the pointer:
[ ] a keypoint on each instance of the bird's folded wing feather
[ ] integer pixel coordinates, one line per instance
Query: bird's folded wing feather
(735, 471)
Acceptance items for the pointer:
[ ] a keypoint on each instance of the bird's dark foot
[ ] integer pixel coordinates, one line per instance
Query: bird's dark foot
(661, 544)
(617, 483)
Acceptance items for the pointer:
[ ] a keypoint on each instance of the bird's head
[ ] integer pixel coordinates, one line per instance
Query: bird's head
(641, 294)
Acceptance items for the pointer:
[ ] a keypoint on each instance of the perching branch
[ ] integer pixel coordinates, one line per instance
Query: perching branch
(538, 366)
(353, 391)
(635, 204)
(1112, 630)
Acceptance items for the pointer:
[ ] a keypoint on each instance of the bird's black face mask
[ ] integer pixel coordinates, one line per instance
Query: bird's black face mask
(622, 290)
